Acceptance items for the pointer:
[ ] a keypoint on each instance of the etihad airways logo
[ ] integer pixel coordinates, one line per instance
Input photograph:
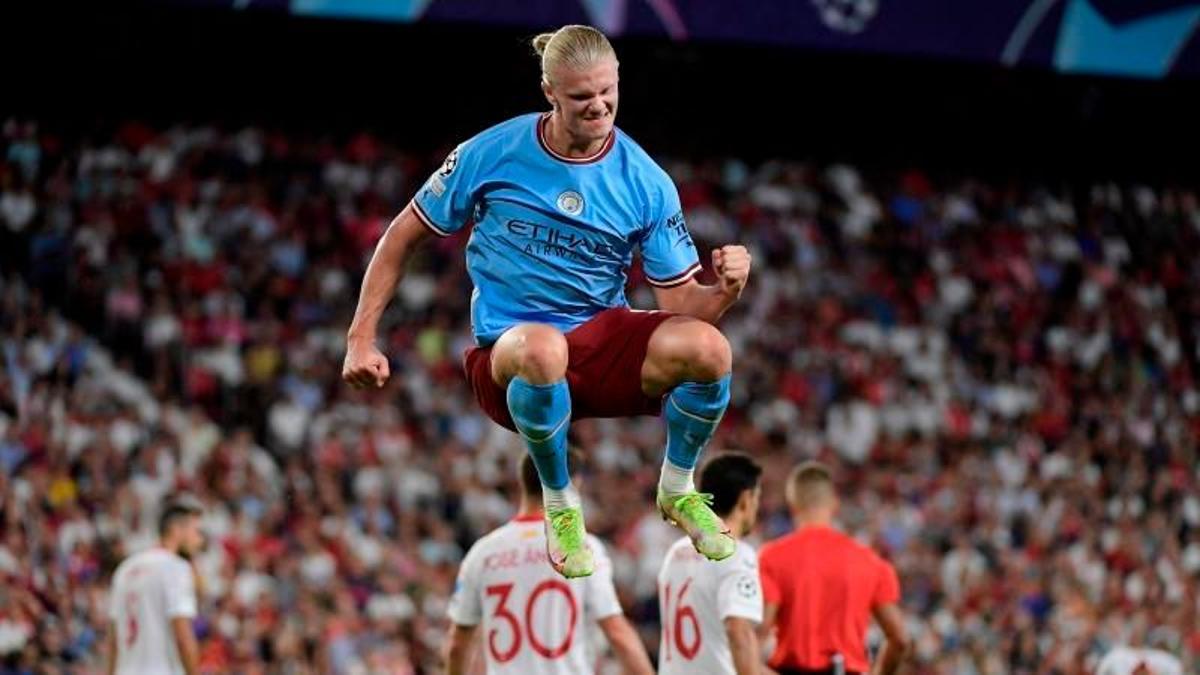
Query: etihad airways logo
(547, 240)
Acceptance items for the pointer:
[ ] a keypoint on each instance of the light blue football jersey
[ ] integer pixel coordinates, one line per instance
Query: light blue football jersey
(554, 236)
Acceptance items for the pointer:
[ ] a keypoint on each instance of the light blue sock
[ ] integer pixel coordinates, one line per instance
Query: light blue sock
(542, 414)
(693, 411)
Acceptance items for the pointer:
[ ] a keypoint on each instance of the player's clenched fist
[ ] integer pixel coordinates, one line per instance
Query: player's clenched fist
(365, 366)
(732, 265)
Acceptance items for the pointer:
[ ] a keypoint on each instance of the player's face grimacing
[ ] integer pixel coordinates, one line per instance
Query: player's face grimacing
(585, 100)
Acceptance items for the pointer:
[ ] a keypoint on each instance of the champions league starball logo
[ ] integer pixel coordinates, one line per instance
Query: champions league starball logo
(450, 163)
(846, 16)
(747, 587)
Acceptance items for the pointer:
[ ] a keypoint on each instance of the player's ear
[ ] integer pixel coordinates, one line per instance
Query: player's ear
(548, 91)
(745, 501)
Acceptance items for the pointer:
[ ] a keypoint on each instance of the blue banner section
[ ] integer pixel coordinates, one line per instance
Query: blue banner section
(1148, 38)
(1146, 47)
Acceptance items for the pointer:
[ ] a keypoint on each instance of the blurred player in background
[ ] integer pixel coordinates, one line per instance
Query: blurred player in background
(1126, 660)
(709, 611)
(821, 589)
(153, 600)
(532, 622)
(560, 202)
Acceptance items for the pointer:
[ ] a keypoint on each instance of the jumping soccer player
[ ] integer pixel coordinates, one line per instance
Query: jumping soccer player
(560, 201)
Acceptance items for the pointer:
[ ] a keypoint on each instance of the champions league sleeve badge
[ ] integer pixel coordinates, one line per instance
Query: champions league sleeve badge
(451, 162)
(747, 587)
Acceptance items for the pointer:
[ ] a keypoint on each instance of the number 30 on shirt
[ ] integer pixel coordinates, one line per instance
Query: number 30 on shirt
(505, 644)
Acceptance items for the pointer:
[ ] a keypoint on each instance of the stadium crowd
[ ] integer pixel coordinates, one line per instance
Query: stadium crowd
(1002, 374)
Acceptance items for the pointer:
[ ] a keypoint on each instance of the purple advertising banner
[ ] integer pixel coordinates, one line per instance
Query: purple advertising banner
(1147, 39)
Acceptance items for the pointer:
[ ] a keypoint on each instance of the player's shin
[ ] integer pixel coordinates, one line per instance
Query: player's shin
(693, 411)
(542, 414)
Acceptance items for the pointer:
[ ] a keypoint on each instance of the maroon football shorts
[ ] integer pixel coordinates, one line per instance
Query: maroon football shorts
(604, 368)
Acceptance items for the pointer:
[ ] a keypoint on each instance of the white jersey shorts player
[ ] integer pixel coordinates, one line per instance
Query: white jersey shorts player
(532, 621)
(695, 596)
(149, 590)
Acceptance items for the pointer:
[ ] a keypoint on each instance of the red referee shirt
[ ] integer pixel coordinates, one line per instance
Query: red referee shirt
(825, 585)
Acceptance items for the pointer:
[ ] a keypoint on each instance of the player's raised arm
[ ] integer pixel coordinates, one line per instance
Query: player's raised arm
(441, 207)
(365, 365)
(671, 263)
(709, 302)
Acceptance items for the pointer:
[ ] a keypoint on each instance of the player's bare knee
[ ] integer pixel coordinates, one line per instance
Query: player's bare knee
(685, 349)
(709, 357)
(541, 354)
(693, 350)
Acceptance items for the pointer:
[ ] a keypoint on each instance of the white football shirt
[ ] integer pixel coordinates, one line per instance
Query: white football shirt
(695, 596)
(149, 589)
(1131, 661)
(531, 619)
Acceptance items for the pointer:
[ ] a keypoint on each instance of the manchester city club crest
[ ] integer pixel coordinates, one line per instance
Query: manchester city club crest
(570, 203)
